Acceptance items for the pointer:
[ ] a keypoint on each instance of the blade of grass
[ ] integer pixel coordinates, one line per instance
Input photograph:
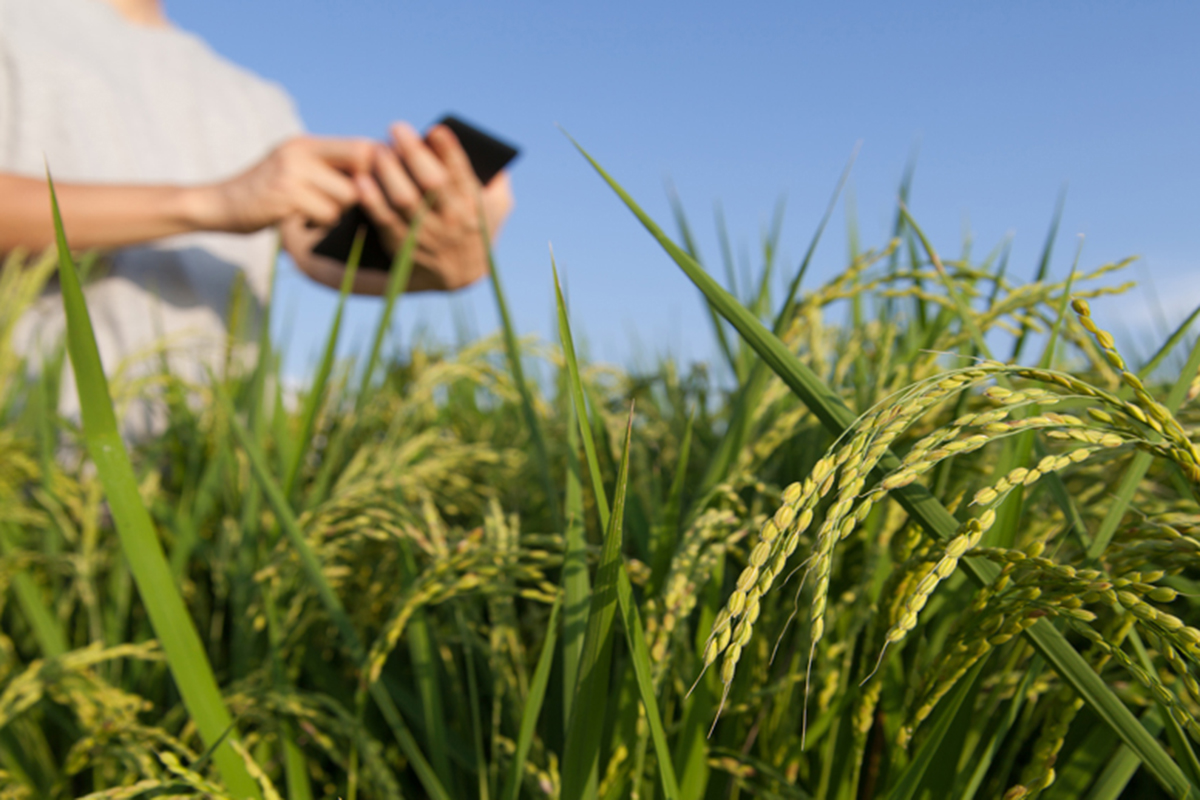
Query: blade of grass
(828, 407)
(401, 271)
(986, 753)
(726, 251)
(905, 191)
(169, 616)
(667, 526)
(577, 397)
(581, 758)
(961, 700)
(691, 744)
(316, 394)
(635, 637)
(476, 706)
(576, 583)
(689, 242)
(965, 313)
(1074, 774)
(751, 391)
(295, 769)
(513, 349)
(533, 705)
(739, 356)
(1122, 767)
(47, 630)
(423, 656)
(1140, 463)
(762, 298)
(1043, 268)
(1169, 345)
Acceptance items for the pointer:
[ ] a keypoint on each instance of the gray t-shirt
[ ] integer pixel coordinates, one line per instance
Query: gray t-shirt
(103, 100)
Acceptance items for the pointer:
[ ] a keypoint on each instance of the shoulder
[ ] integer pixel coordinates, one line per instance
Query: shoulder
(262, 98)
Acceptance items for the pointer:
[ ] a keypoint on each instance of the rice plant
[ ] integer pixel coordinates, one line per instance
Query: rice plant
(936, 536)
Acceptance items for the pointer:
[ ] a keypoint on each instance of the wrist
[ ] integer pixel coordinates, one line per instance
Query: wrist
(199, 208)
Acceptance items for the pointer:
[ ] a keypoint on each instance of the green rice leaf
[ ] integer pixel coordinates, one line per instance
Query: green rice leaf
(577, 396)
(635, 637)
(402, 266)
(47, 630)
(582, 756)
(1043, 267)
(965, 313)
(513, 349)
(169, 616)
(987, 749)
(476, 706)
(1168, 345)
(689, 242)
(316, 393)
(1122, 767)
(533, 705)
(667, 527)
(937, 748)
(576, 583)
(423, 655)
(750, 393)
(1075, 773)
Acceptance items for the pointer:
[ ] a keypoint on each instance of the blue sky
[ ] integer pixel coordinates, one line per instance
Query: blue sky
(746, 103)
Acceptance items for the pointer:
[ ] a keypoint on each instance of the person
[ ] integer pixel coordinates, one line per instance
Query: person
(182, 166)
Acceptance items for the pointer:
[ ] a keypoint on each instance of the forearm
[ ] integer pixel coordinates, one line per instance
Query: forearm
(96, 215)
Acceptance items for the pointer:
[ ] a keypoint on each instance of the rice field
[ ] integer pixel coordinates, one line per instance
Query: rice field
(939, 537)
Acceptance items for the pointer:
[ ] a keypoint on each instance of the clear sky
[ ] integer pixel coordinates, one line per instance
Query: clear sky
(744, 103)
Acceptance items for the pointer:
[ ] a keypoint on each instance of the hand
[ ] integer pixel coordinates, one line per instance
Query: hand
(306, 178)
(450, 250)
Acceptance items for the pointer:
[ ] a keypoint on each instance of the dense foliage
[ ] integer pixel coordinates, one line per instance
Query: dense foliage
(935, 538)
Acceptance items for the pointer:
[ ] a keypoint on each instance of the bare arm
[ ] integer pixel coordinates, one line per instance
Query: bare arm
(306, 178)
(94, 215)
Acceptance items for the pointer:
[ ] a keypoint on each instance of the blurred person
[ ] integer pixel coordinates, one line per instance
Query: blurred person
(180, 166)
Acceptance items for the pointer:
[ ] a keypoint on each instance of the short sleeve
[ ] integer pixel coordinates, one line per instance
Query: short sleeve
(277, 116)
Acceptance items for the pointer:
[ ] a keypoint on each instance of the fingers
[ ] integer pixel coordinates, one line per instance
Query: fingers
(329, 168)
(396, 181)
(318, 206)
(392, 227)
(337, 186)
(446, 146)
(425, 166)
(348, 155)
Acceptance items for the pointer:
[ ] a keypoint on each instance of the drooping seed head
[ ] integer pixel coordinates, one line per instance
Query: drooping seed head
(747, 578)
(760, 554)
(736, 603)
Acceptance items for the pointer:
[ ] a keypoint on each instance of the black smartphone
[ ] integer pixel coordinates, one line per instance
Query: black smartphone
(488, 155)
